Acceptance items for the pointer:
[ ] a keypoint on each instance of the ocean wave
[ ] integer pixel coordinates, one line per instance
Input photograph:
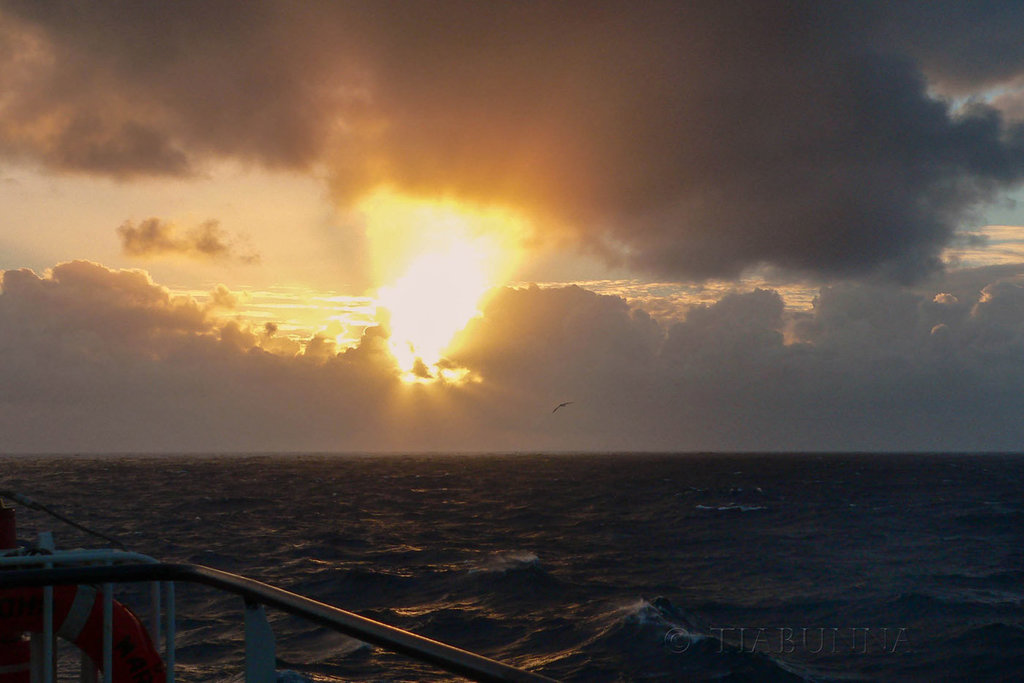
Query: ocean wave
(915, 607)
(655, 638)
(658, 611)
(289, 676)
(305, 647)
(993, 636)
(543, 561)
(731, 507)
(508, 580)
(1012, 579)
(978, 652)
(991, 597)
(509, 561)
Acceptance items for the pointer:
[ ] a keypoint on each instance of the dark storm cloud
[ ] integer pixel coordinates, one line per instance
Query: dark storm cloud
(690, 139)
(94, 359)
(961, 45)
(99, 359)
(871, 367)
(154, 238)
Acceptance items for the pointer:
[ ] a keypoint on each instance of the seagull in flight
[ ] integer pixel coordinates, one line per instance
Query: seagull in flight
(562, 405)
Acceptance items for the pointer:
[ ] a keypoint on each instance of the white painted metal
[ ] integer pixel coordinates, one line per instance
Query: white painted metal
(171, 632)
(46, 544)
(260, 660)
(44, 654)
(154, 612)
(60, 558)
(37, 657)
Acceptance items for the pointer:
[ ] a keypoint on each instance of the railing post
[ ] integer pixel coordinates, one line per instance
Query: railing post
(46, 650)
(154, 613)
(108, 631)
(260, 660)
(171, 632)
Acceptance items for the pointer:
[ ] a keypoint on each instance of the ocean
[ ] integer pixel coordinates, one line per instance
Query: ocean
(617, 567)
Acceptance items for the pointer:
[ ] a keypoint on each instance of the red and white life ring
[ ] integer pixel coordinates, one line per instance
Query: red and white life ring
(15, 660)
(78, 618)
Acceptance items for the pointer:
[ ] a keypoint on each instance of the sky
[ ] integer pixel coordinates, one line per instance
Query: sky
(420, 226)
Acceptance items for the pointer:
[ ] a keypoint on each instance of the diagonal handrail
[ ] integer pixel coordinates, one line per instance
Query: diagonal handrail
(447, 657)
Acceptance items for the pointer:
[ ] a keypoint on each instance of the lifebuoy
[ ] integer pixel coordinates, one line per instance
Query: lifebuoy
(15, 659)
(78, 618)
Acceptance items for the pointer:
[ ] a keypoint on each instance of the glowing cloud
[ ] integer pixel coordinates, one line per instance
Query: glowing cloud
(432, 301)
(434, 261)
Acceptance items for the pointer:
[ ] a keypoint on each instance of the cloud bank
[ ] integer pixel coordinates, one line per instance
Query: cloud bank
(94, 359)
(688, 139)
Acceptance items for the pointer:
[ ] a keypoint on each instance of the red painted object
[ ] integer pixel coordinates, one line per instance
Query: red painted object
(15, 660)
(8, 530)
(78, 618)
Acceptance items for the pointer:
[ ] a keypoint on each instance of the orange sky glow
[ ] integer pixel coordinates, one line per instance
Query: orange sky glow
(360, 227)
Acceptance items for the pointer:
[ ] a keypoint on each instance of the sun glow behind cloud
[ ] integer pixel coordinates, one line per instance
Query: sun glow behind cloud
(433, 262)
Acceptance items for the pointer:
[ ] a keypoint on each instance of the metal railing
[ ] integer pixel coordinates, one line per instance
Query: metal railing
(45, 558)
(259, 638)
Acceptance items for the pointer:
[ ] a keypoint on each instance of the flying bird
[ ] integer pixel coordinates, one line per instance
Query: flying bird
(562, 405)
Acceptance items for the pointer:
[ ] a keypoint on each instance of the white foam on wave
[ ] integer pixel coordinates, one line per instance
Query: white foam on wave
(639, 611)
(643, 613)
(502, 562)
(731, 507)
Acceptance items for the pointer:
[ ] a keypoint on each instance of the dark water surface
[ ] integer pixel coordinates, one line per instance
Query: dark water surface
(589, 568)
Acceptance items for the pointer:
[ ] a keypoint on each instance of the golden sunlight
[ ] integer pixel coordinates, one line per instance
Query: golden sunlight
(433, 262)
